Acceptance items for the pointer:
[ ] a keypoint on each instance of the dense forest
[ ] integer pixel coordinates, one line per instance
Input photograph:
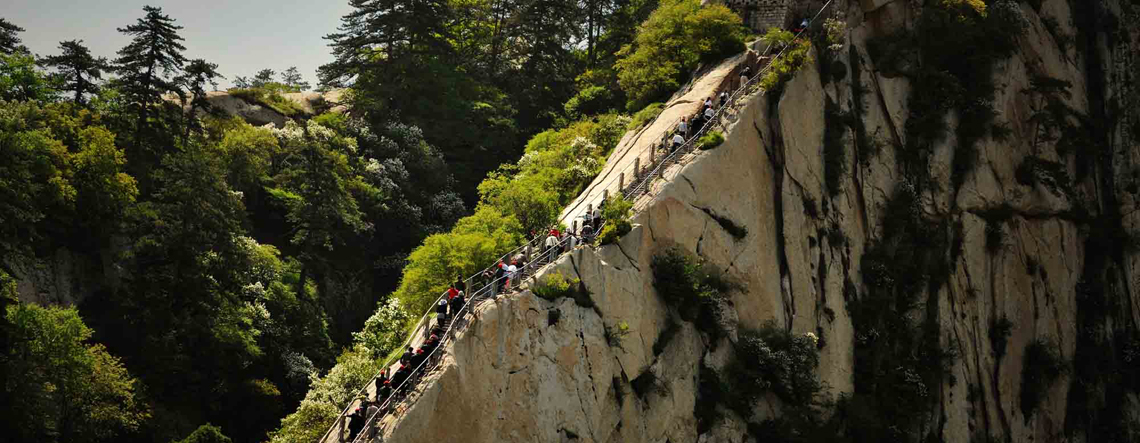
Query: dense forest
(237, 261)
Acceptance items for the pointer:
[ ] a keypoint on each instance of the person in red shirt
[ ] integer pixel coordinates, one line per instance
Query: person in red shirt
(452, 292)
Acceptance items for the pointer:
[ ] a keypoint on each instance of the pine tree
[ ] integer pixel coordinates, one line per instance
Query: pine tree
(263, 77)
(193, 81)
(9, 41)
(293, 79)
(397, 31)
(149, 62)
(77, 68)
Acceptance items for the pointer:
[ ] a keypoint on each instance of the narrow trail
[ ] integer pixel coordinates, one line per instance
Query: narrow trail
(641, 179)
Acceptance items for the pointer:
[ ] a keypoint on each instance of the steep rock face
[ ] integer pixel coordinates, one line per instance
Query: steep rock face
(1045, 258)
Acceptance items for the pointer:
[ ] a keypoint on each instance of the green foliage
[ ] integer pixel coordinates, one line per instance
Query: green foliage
(1053, 175)
(646, 115)
(206, 433)
(475, 242)
(710, 140)
(67, 388)
(78, 68)
(555, 286)
(383, 332)
(557, 166)
(834, 147)
(959, 43)
(796, 53)
(270, 96)
(616, 212)
(9, 38)
(590, 100)
(999, 335)
(21, 81)
(899, 361)
(325, 399)
(692, 287)
(1041, 367)
(777, 360)
(669, 45)
(615, 334)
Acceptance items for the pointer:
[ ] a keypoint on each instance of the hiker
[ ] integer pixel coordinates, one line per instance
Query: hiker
(500, 277)
(356, 421)
(407, 356)
(379, 383)
(723, 98)
(398, 379)
(572, 242)
(512, 274)
(452, 292)
(683, 127)
(418, 359)
(441, 311)
(587, 233)
(677, 141)
(708, 102)
(459, 283)
(384, 391)
(708, 115)
(597, 215)
(551, 242)
(745, 74)
(456, 302)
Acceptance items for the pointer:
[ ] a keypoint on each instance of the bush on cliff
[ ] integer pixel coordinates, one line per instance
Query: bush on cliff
(669, 45)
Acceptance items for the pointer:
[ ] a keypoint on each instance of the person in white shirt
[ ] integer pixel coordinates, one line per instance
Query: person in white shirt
(708, 114)
(678, 141)
(708, 102)
(512, 274)
(551, 243)
(683, 126)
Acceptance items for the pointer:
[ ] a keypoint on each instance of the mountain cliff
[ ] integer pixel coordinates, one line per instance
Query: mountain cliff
(925, 234)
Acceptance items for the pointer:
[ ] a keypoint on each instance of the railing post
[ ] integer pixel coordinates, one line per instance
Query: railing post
(652, 155)
(526, 255)
(637, 167)
(574, 226)
(605, 197)
(621, 182)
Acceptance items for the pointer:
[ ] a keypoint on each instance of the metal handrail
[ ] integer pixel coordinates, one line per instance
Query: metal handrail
(639, 184)
(449, 335)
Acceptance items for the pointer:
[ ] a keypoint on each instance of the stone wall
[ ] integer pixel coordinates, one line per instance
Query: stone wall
(761, 14)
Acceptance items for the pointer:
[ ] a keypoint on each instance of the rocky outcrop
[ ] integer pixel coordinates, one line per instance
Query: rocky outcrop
(1026, 256)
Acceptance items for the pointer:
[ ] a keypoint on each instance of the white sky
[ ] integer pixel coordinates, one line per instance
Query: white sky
(241, 36)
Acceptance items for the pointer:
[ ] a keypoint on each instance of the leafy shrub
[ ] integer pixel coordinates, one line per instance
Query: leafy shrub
(693, 287)
(999, 335)
(383, 332)
(616, 334)
(206, 433)
(777, 360)
(268, 95)
(616, 212)
(555, 286)
(1040, 368)
(710, 140)
(899, 361)
(589, 101)
(1050, 174)
(327, 396)
(780, 70)
(678, 35)
(834, 150)
(646, 115)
